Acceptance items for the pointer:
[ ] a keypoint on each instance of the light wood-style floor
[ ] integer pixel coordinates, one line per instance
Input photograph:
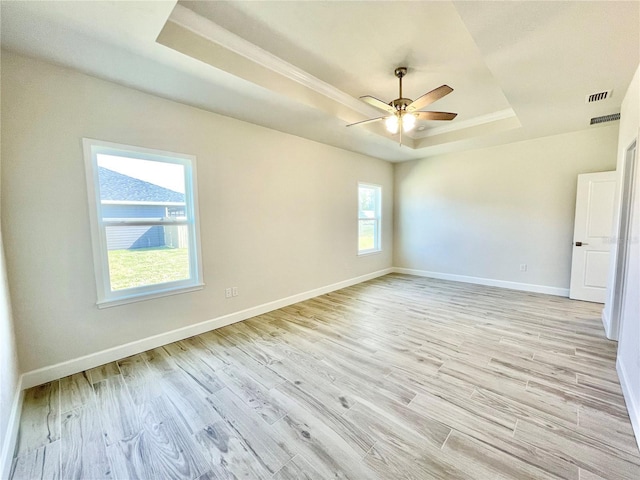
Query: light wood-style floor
(397, 378)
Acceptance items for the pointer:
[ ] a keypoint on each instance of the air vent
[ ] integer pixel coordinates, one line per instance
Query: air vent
(605, 118)
(599, 96)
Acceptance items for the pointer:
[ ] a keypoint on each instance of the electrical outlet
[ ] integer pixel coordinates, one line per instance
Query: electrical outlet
(235, 291)
(227, 293)
(523, 267)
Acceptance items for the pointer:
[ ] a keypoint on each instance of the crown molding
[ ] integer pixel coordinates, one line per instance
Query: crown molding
(472, 122)
(213, 32)
(191, 21)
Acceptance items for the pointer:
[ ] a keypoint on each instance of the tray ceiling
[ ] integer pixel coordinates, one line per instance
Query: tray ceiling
(519, 69)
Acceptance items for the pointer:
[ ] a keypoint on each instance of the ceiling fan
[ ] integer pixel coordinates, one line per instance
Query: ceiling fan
(403, 112)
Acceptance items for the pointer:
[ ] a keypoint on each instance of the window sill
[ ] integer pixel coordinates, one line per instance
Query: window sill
(369, 252)
(148, 296)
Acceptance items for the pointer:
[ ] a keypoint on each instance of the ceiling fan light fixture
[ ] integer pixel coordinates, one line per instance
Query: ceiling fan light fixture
(392, 124)
(408, 122)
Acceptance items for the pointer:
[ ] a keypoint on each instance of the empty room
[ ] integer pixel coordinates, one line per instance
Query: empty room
(319, 240)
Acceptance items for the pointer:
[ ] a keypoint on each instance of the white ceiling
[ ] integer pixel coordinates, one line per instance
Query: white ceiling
(519, 69)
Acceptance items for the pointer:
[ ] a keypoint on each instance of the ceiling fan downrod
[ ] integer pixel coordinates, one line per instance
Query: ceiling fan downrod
(400, 72)
(400, 103)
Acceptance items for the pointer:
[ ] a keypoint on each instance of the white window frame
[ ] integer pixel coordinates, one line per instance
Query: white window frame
(107, 297)
(377, 247)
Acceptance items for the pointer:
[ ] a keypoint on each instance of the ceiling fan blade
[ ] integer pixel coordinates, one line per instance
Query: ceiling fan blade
(429, 98)
(378, 103)
(366, 121)
(435, 115)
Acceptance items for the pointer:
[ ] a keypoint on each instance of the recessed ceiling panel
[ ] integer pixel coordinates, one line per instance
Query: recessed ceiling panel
(355, 47)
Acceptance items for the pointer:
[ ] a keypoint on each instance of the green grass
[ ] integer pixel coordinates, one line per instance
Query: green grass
(147, 266)
(366, 236)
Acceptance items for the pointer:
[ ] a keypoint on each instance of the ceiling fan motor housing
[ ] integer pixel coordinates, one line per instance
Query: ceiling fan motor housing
(400, 104)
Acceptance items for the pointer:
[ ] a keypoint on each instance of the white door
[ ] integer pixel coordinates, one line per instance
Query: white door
(592, 236)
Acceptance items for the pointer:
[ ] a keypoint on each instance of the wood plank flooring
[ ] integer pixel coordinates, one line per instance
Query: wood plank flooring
(400, 377)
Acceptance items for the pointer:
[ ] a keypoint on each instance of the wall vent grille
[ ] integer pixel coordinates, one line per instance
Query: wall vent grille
(599, 96)
(605, 118)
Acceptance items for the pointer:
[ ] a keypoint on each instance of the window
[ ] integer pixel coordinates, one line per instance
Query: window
(143, 213)
(369, 217)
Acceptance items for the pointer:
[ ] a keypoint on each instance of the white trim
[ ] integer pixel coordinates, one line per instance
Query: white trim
(619, 247)
(148, 296)
(472, 122)
(208, 29)
(632, 407)
(53, 372)
(106, 296)
(11, 435)
(143, 222)
(606, 323)
(140, 202)
(213, 32)
(370, 252)
(527, 287)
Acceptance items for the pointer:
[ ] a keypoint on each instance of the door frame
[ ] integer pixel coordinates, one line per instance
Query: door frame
(627, 186)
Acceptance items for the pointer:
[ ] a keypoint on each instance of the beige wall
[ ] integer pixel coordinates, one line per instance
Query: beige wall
(9, 368)
(277, 212)
(485, 212)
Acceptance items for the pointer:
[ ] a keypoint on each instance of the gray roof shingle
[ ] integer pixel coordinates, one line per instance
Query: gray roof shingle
(118, 187)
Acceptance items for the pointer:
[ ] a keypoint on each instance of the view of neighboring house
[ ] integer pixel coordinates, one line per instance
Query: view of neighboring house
(124, 197)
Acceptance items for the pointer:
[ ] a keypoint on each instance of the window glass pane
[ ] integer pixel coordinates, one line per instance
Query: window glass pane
(367, 202)
(369, 199)
(147, 255)
(367, 234)
(143, 219)
(140, 189)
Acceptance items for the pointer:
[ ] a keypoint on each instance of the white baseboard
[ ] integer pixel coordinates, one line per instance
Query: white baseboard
(527, 287)
(11, 435)
(632, 402)
(53, 372)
